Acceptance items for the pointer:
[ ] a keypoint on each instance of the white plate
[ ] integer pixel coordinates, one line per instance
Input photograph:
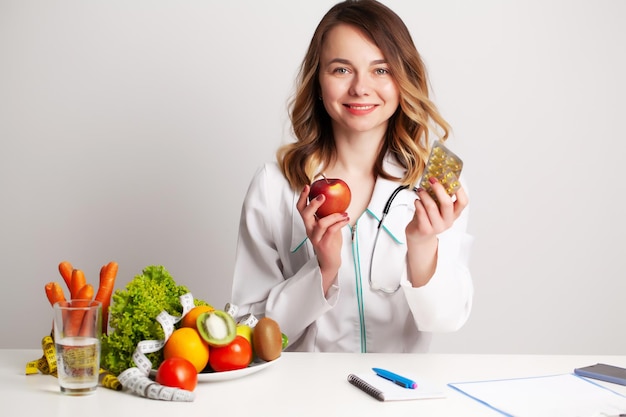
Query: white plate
(238, 373)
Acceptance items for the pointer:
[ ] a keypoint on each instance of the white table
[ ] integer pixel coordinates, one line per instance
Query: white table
(298, 385)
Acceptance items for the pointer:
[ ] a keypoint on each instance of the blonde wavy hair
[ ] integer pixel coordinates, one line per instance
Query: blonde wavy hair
(407, 136)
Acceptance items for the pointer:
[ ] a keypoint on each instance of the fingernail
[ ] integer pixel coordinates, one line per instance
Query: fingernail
(319, 197)
(432, 180)
(419, 190)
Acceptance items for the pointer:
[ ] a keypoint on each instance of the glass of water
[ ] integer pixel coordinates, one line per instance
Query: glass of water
(77, 331)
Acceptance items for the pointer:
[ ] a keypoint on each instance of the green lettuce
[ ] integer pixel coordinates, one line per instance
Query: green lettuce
(132, 317)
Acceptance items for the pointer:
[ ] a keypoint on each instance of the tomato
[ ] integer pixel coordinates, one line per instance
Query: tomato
(178, 373)
(235, 355)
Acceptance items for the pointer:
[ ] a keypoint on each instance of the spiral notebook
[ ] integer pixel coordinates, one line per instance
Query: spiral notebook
(385, 390)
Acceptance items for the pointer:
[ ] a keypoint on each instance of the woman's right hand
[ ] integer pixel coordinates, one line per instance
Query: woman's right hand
(324, 234)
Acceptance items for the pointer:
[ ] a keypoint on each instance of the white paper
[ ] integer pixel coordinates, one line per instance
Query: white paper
(566, 395)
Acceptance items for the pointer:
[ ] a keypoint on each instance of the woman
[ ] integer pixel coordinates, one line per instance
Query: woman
(361, 113)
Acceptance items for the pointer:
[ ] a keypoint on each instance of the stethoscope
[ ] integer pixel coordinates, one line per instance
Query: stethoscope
(380, 224)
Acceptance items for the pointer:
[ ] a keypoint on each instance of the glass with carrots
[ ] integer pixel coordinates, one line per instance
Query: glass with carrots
(77, 331)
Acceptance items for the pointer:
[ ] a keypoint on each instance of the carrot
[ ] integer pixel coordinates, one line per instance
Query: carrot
(77, 282)
(54, 292)
(66, 268)
(108, 273)
(87, 327)
(85, 293)
(83, 296)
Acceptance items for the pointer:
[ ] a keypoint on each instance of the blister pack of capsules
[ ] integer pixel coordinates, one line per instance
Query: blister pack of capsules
(444, 165)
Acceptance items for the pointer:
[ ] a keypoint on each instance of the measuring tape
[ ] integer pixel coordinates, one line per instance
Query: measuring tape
(47, 365)
(137, 379)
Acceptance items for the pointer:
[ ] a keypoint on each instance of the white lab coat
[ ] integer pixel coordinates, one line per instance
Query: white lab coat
(277, 274)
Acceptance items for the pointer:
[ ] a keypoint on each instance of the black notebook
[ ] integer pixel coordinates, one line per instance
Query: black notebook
(385, 390)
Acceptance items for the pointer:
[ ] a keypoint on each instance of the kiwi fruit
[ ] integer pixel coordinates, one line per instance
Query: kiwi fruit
(267, 339)
(217, 328)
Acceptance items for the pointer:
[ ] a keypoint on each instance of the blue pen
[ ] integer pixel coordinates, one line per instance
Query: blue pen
(395, 378)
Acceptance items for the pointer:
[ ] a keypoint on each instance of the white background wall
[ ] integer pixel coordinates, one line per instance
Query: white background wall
(129, 130)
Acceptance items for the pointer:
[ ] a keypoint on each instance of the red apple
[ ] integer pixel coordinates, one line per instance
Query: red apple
(337, 195)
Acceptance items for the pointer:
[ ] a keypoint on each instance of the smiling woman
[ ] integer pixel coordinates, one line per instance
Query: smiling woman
(361, 114)
(355, 81)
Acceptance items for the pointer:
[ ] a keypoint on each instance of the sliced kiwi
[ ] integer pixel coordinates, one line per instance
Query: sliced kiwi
(217, 328)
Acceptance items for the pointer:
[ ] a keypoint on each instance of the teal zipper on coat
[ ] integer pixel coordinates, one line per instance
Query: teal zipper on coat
(359, 287)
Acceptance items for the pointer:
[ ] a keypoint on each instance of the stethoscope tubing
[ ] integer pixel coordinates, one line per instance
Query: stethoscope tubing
(380, 223)
(388, 203)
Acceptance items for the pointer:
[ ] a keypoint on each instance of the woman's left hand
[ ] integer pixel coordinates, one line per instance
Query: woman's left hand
(431, 218)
